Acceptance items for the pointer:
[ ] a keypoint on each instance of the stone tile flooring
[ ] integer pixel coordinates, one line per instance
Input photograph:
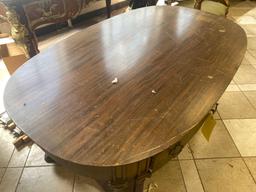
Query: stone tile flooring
(225, 164)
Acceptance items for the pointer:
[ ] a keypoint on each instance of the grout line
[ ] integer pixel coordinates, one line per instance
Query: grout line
(194, 161)
(30, 166)
(50, 165)
(182, 159)
(236, 118)
(231, 137)
(7, 165)
(206, 158)
(248, 90)
(249, 170)
(182, 177)
(248, 100)
(74, 180)
(22, 170)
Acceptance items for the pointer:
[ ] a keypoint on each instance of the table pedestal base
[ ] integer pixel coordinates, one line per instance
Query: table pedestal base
(130, 177)
(135, 185)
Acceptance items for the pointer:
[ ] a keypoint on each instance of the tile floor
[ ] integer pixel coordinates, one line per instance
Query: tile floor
(227, 163)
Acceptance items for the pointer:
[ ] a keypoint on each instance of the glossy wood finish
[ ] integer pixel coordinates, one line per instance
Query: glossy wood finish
(64, 100)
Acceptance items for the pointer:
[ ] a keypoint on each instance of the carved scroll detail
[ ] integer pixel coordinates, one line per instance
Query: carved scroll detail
(18, 31)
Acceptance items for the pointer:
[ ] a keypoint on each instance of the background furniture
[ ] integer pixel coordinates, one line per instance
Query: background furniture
(217, 7)
(134, 4)
(25, 16)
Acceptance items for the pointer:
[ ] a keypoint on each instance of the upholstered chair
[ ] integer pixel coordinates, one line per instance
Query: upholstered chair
(217, 7)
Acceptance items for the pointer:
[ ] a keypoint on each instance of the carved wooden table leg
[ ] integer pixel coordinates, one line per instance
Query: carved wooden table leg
(127, 178)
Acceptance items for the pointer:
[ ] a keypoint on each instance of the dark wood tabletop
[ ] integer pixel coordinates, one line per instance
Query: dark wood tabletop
(172, 66)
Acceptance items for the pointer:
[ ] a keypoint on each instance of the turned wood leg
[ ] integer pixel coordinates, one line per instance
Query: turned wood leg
(108, 6)
(48, 159)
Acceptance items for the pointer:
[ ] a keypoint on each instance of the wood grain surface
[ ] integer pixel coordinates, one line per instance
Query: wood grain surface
(64, 98)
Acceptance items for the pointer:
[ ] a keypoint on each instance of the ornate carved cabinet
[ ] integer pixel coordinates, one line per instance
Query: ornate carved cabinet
(26, 15)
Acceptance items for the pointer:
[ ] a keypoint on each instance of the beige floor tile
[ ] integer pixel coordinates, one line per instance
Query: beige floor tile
(191, 177)
(46, 179)
(251, 95)
(243, 132)
(247, 87)
(252, 12)
(250, 57)
(6, 147)
(249, 29)
(253, 52)
(2, 170)
(251, 163)
(19, 157)
(251, 42)
(185, 153)
(225, 175)
(232, 83)
(234, 105)
(10, 179)
(245, 62)
(167, 178)
(220, 144)
(232, 88)
(245, 19)
(246, 74)
(85, 184)
(36, 157)
(238, 11)
(254, 66)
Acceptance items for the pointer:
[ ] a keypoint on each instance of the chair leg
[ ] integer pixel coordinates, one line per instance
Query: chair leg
(108, 6)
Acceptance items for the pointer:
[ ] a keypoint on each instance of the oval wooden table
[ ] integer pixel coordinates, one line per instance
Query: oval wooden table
(172, 66)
